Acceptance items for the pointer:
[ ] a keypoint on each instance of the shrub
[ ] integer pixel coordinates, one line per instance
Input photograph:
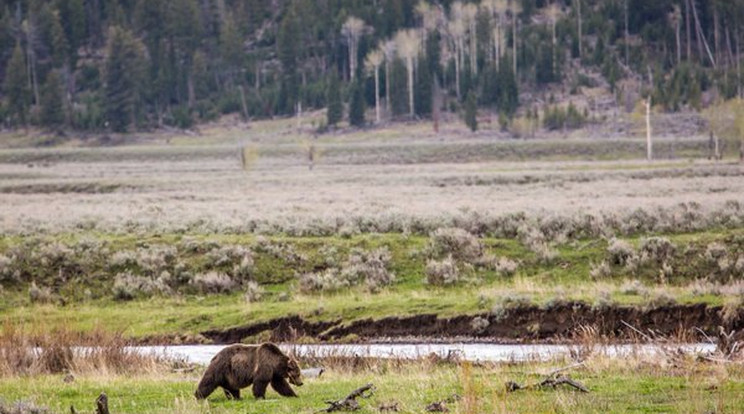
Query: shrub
(226, 256)
(657, 249)
(22, 407)
(500, 311)
(662, 299)
(600, 271)
(153, 260)
(7, 274)
(39, 294)
(634, 287)
(213, 282)
(327, 280)
(123, 259)
(535, 240)
(253, 292)
(620, 252)
(440, 273)
(714, 252)
(479, 324)
(455, 242)
(128, 286)
(368, 267)
(505, 266)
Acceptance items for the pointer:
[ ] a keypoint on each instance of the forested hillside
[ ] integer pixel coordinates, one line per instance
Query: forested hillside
(125, 65)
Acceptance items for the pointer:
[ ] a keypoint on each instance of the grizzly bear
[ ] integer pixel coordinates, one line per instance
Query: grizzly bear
(239, 366)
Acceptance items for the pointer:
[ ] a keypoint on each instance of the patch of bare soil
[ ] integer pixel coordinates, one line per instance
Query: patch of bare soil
(558, 323)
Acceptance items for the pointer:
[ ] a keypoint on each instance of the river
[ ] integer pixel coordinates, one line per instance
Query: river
(202, 354)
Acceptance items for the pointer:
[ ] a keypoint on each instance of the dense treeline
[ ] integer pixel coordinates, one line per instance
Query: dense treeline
(137, 64)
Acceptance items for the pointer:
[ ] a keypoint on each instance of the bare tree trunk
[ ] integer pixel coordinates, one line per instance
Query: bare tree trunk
(377, 94)
(688, 31)
(298, 110)
(578, 12)
(738, 63)
(729, 48)
(497, 45)
(473, 47)
(457, 71)
(679, 43)
(701, 37)
(555, 47)
(436, 104)
(697, 29)
(258, 77)
(190, 88)
(409, 66)
(716, 44)
(649, 144)
(514, 42)
(627, 36)
(387, 84)
(243, 102)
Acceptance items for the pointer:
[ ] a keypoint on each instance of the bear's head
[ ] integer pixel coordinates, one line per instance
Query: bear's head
(294, 374)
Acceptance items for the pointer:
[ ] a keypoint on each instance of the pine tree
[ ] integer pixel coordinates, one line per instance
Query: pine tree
(423, 89)
(288, 42)
(16, 86)
(52, 107)
(60, 45)
(471, 111)
(398, 92)
(335, 107)
(356, 106)
(124, 66)
(509, 91)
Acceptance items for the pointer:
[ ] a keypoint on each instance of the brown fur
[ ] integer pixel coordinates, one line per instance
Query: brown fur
(239, 366)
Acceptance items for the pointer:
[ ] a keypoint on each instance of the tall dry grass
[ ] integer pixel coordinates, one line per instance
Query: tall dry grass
(35, 350)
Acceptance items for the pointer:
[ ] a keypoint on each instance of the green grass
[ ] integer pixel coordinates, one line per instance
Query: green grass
(566, 278)
(616, 387)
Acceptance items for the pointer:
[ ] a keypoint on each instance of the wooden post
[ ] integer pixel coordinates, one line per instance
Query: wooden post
(243, 103)
(102, 404)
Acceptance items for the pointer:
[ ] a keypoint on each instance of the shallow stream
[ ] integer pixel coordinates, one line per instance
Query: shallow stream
(202, 354)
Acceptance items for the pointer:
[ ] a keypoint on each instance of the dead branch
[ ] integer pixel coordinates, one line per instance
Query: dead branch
(566, 368)
(512, 386)
(389, 406)
(646, 337)
(727, 345)
(552, 380)
(349, 403)
(441, 406)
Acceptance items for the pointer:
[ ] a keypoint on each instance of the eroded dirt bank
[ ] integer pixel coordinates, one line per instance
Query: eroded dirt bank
(559, 323)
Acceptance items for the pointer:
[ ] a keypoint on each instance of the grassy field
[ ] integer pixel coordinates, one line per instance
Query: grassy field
(185, 238)
(80, 283)
(638, 386)
(171, 236)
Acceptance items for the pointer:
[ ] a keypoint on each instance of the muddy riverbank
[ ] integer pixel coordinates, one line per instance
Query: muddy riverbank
(560, 323)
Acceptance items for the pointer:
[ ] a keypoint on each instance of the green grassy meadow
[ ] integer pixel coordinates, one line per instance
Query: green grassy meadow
(633, 387)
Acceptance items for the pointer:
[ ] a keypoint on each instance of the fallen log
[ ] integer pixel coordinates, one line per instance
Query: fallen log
(441, 406)
(349, 403)
(551, 382)
(390, 406)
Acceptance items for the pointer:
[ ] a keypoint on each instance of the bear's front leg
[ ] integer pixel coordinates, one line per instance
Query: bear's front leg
(281, 386)
(231, 393)
(259, 388)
